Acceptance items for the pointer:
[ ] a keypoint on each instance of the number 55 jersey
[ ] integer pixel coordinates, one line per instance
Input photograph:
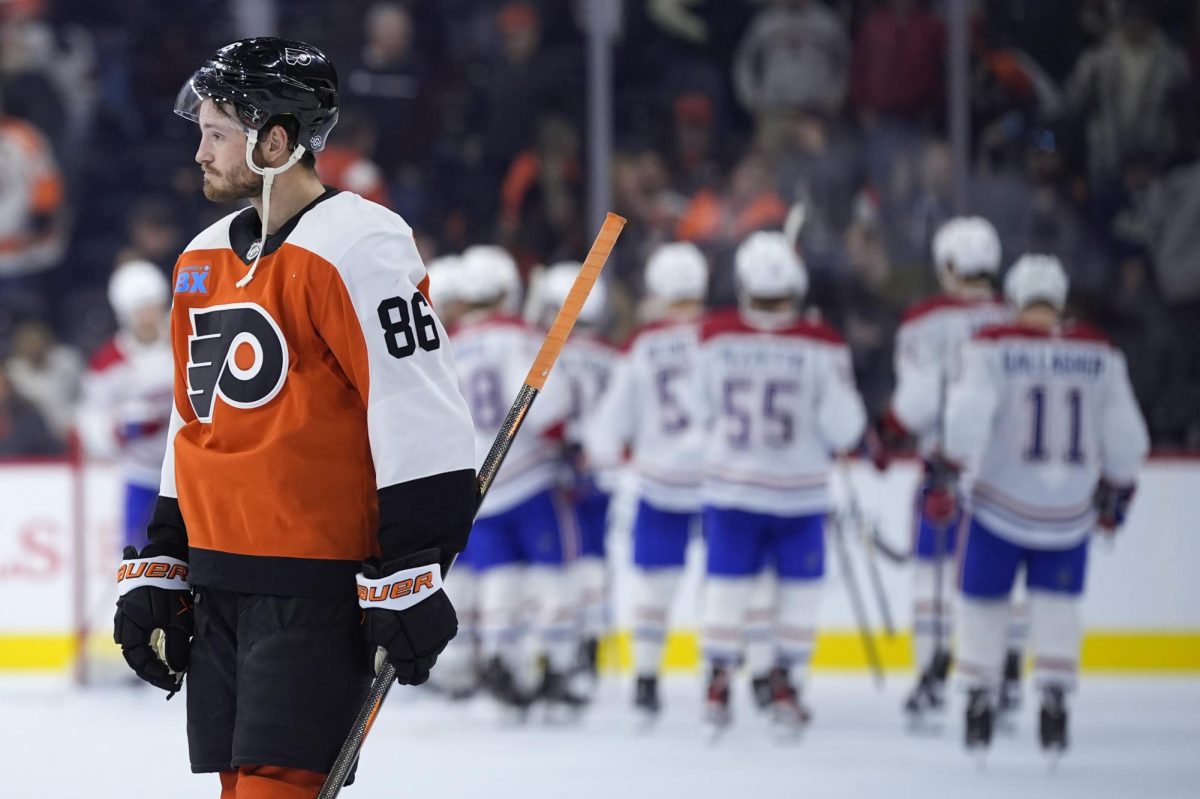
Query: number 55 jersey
(1037, 418)
(780, 398)
(317, 417)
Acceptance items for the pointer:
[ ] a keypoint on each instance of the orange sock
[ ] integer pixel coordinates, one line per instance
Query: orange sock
(229, 781)
(277, 782)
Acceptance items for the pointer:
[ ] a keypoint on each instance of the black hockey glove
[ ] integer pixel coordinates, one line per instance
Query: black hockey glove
(407, 614)
(1112, 505)
(153, 625)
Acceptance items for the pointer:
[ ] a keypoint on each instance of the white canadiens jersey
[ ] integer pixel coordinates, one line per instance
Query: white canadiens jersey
(125, 406)
(1037, 418)
(928, 358)
(585, 367)
(493, 354)
(652, 406)
(780, 402)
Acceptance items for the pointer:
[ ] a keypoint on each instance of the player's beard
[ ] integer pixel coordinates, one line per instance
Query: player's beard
(239, 183)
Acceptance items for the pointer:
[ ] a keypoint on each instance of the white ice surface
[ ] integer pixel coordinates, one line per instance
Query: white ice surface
(1132, 737)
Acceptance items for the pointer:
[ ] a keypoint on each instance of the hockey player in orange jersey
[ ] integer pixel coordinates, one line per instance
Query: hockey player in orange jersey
(319, 473)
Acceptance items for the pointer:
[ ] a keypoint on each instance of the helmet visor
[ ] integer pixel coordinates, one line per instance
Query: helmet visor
(209, 83)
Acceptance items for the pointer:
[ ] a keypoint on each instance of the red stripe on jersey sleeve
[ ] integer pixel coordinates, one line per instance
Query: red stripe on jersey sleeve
(108, 356)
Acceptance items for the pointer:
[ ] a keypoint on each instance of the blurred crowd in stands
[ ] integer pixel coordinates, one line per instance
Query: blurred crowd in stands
(467, 117)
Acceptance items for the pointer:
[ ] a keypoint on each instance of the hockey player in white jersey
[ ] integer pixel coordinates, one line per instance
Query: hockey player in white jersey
(126, 394)
(1044, 422)
(523, 539)
(779, 392)
(966, 255)
(652, 408)
(585, 364)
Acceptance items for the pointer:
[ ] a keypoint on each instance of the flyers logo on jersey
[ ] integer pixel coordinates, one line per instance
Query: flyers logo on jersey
(236, 352)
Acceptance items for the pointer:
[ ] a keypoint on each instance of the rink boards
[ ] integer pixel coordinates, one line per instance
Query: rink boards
(1142, 609)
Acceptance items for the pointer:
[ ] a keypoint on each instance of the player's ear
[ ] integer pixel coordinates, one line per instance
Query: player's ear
(274, 142)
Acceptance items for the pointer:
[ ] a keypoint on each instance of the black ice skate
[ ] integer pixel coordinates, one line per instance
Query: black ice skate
(761, 686)
(787, 711)
(1009, 700)
(1052, 723)
(716, 711)
(979, 720)
(645, 699)
(928, 697)
(499, 681)
(589, 657)
(562, 703)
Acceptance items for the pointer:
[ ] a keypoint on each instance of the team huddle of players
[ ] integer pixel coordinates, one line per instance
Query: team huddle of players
(730, 423)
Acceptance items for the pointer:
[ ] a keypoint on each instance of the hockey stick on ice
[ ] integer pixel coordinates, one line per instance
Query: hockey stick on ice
(856, 603)
(868, 534)
(534, 382)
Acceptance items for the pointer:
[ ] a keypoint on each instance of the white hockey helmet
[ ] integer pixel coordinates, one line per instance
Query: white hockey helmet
(489, 274)
(445, 280)
(1036, 278)
(677, 271)
(554, 285)
(966, 246)
(768, 267)
(135, 285)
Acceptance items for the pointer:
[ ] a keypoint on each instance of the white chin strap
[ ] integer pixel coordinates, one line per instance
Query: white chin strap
(268, 175)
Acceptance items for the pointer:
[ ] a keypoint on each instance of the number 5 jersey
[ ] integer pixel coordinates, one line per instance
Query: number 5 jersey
(317, 416)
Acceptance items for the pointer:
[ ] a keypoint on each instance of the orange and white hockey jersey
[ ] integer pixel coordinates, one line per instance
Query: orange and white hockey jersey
(317, 419)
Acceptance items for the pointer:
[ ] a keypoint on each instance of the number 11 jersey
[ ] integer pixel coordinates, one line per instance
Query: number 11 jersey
(1037, 418)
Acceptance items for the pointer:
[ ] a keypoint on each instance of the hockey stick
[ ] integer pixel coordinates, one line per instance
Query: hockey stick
(856, 604)
(868, 534)
(534, 382)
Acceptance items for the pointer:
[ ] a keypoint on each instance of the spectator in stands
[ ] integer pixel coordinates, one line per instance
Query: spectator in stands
(46, 374)
(49, 70)
(1126, 89)
(1172, 214)
(23, 432)
(693, 157)
(541, 198)
(921, 212)
(896, 81)
(32, 202)
(389, 85)
(819, 165)
(346, 162)
(870, 311)
(525, 86)
(1172, 208)
(795, 56)
(643, 191)
(749, 203)
(26, 55)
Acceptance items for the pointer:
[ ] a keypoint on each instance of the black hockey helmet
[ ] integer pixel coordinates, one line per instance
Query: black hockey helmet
(267, 77)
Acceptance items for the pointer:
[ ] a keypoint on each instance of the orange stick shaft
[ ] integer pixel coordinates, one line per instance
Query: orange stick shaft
(556, 337)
